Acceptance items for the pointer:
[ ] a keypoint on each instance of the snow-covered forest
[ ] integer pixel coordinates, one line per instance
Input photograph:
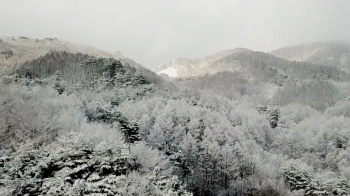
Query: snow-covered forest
(74, 124)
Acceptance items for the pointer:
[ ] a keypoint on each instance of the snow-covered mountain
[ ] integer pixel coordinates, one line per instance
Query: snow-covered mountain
(188, 68)
(323, 53)
(17, 50)
(332, 58)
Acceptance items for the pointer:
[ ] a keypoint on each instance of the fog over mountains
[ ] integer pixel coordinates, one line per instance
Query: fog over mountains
(322, 53)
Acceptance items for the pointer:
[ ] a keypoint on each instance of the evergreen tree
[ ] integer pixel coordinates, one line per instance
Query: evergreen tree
(119, 67)
(114, 71)
(119, 74)
(262, 109)
(274, 115)
(314, 188)
(339, 142)
(181, 164)
(341, 188)
(119, 78)
(167, 186)
(116, 101)
(110, 68)
(139, 78)
(130, 131)
(127, 79)
(206, 166)
(28, 73)
(294, 176)
(58, 84)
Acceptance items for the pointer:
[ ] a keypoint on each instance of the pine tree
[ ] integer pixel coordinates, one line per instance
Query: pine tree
(116, 101)
(181, 164)
(262, 109)
(339, 142)
(341, 188)
(119, 74)
(130, 131)
(119, 67)
(314, 188)
(167, 186)
(139, 78)
(157, 179)
(28, 73)
(110, 68)
(119, 78)
(133, 133)
(206, 165)
(274, 117)
(294, 176)
(127, 79)
(114, 70)
(58, 84)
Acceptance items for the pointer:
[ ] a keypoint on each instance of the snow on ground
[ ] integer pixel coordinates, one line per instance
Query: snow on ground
(270, 90)
(170, 71)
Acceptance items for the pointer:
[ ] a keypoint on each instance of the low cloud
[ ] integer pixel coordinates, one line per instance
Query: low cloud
(155, 31)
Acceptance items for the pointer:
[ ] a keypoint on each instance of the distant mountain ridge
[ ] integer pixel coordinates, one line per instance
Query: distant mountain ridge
(251, 65)
(187, 68)
(15, 51)
(42, 58)
(323, 53)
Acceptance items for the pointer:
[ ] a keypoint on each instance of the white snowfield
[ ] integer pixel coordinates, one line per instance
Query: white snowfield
(170, 71)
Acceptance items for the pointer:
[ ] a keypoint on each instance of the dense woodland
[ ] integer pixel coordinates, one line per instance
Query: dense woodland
(71, 124)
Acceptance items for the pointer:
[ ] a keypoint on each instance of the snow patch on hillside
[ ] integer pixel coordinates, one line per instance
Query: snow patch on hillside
(170, 71)
(270, 90)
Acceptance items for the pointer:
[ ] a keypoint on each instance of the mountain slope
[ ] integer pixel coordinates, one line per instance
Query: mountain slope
(323, 53)
(186, 68)
(243, 74)
(15, 51)
(251, 65)
(42, 58)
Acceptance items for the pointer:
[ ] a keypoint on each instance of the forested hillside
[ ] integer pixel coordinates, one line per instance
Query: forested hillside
(14, 51)
(251, 64)
(75, 124)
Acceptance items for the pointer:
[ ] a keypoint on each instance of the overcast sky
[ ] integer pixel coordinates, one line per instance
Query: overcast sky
(155, 31)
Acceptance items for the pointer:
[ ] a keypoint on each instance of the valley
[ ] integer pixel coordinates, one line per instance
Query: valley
(77, 120)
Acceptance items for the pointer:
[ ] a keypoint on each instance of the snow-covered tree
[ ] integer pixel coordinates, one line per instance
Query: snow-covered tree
(274, 116)
(296, 175)
(314, 188)
(58, 83)
(167, 186)
(341, 188)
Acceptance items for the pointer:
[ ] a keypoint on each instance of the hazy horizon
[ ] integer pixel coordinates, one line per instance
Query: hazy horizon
(154, 33)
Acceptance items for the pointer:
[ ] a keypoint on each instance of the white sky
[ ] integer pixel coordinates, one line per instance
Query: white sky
(155, 31)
